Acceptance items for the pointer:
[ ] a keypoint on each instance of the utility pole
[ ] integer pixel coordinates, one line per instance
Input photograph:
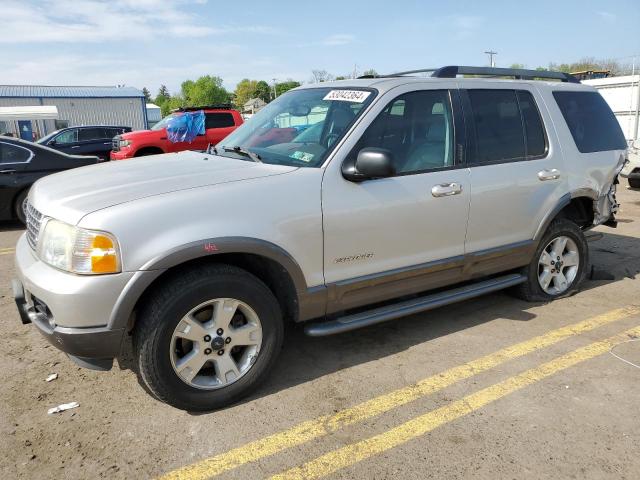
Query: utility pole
(275, 93)
(491, 53)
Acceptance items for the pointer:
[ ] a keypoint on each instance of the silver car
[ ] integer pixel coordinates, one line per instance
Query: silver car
(406, 193)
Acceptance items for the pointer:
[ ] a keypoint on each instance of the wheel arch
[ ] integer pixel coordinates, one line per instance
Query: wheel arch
(148, 150)
(265, 260)
(577, 206)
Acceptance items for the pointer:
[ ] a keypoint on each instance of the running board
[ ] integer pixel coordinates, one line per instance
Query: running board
(409, 307)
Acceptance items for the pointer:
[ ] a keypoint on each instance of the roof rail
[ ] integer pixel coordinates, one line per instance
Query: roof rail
(517, 73)
(222, 106)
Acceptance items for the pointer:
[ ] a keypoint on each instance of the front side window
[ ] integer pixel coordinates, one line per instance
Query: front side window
(417, 128)
(592, 123)
(13, 154)
(70, 136)
(299, 128)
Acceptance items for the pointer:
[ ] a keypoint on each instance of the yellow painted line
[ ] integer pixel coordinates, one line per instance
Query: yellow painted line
(327, 424)
(356, 452)
(7, 251)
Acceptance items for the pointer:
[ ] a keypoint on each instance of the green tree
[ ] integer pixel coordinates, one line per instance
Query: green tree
(147, 94)
(206, 90)
(163, 95)
(245, 91)
(284, 87)
(371, 71)
(518, 66)
(263, 91)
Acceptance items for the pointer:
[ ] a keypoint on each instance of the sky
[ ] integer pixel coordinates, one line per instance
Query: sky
(146, 43)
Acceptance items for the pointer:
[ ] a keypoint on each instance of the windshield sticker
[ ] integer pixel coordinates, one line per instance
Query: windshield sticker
(356, 96)
(302, 156)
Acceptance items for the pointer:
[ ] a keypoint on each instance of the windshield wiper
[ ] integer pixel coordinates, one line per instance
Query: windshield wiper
(242, 151)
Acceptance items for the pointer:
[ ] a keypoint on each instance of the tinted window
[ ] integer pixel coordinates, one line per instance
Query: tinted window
(418, 129)
(70, 136)
(533, 129)
(86, 134)
(218, 120)
(13, 154)
(498, 126)
(592, 124)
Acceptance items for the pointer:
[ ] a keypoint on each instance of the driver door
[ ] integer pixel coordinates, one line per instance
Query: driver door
(389, 237)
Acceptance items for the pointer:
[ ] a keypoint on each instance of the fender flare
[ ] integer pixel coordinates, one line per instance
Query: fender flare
(155, 267)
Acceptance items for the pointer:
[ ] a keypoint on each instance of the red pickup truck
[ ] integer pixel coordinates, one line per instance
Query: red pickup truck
(220, 121)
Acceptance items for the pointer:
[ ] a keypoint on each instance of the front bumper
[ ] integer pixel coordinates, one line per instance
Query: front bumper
(72, 312)
(120, 155)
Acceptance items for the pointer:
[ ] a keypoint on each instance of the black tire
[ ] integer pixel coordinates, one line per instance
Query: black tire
(19, 206)
(531, 291)
(634, 182)
(162, 312)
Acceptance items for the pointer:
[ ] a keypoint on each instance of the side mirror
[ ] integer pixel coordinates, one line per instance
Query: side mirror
(371, 163)
(52, 143)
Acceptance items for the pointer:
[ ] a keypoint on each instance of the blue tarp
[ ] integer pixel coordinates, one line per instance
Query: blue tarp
(185, 127)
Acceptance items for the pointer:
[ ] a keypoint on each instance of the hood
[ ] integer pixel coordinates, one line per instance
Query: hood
(70, 195)
(144, 134)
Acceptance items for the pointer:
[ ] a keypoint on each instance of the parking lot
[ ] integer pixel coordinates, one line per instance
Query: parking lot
(492, 387)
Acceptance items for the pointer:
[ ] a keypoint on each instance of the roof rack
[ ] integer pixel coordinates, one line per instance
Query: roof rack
(517, 73)
(222, 106)
(451, 71)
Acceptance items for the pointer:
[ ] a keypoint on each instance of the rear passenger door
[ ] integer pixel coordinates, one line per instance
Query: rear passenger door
(516, 167)
(92, 141)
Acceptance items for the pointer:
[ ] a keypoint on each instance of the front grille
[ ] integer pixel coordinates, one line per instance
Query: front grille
(115, 144)
(34, 218)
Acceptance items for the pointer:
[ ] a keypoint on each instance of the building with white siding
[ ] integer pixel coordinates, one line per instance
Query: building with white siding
(623, 96)
(88, 105)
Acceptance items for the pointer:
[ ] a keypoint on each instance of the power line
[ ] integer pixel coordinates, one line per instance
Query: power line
(491, 53)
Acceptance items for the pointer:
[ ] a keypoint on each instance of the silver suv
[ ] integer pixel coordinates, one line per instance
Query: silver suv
(339, 204)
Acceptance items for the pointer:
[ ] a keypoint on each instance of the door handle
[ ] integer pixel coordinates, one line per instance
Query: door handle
(8, 172)
(446, 189)
(552, 174)
(76, 146)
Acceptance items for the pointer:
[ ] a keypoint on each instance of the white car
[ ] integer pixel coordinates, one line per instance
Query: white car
(631, 169)
(339, 204)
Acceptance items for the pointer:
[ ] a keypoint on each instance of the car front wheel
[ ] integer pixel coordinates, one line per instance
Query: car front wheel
(208, 337)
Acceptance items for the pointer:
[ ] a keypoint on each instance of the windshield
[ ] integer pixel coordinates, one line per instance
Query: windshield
(299, 128)
(46, 138)
(164, 122)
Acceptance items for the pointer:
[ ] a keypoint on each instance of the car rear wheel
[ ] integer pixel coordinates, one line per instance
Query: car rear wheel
(558, 266)
(20, 206)
(208, 337)
(634, 182)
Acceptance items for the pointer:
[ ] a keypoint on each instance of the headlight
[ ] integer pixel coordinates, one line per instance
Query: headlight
(124, 143)
(78, 250)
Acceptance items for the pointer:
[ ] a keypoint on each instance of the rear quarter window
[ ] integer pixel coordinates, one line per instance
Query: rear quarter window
(218, 120)
(593, 126)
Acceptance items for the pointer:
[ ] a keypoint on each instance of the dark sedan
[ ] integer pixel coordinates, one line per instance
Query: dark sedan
(88, 140)
(21, 164)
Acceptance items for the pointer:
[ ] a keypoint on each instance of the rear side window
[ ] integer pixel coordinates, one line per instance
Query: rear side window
(533, 129)
(86, 134)
(508, 126)
(13, 154)
(592, 124)
(218, 120)
(499, 132)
